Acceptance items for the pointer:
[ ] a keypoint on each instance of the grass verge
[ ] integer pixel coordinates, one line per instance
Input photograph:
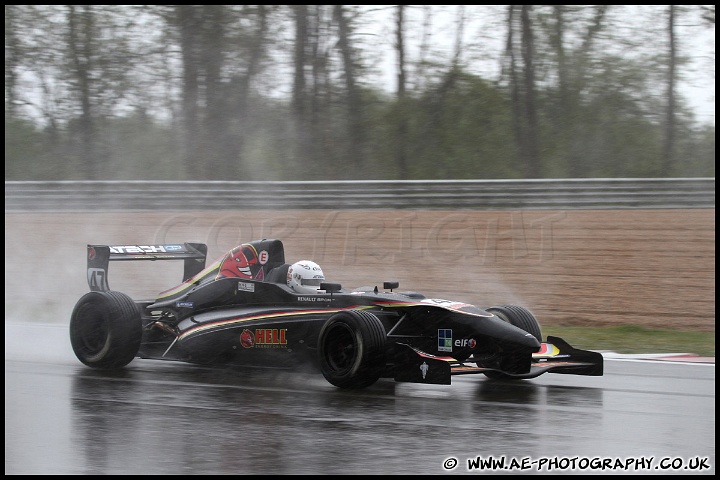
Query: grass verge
(635, 339)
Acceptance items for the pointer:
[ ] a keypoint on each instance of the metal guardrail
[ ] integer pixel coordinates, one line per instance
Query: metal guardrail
(22, 196)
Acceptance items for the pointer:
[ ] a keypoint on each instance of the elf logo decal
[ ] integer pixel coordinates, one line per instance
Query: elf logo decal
(465, 342)
(264, 338)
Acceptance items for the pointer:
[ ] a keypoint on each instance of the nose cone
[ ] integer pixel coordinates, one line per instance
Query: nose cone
(495, 327)
(530, 341)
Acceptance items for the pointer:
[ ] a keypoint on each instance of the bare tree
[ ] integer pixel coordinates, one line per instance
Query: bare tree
(12, 60)
(304, 103)
(239, 115)
(572, 78)
(522, 87)
(531, 139)
(356, 124)
(299, 59)
(669, 143)
(219, 159)
(188, 23)
(81, 42)
(402, 121)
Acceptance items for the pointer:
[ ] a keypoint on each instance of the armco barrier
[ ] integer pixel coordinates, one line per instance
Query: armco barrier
(622, 193)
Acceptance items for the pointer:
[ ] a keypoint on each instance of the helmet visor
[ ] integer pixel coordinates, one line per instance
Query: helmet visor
(311, 282)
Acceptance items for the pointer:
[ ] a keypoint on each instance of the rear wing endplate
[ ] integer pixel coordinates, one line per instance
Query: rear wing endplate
(100, 256)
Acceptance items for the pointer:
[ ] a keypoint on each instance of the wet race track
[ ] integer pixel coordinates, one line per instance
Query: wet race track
(170, 418)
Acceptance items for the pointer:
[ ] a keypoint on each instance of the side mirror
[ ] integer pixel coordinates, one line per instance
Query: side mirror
(390, 285)
(330, 287)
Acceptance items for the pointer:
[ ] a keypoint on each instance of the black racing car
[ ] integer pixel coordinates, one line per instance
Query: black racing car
(241, 311)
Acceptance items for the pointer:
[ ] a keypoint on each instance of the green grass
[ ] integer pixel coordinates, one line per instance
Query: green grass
(634, 339)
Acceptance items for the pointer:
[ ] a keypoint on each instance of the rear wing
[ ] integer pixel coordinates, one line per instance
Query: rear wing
(100, 256)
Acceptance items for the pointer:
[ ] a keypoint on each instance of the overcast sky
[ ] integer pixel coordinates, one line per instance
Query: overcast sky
(484, 31)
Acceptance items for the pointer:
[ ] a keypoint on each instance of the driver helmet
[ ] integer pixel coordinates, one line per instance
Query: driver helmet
(305, 277)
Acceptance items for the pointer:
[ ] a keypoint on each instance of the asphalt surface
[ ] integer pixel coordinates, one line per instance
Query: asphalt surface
(642, 416)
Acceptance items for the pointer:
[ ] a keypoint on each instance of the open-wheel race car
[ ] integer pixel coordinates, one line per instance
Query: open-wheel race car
(250, 307)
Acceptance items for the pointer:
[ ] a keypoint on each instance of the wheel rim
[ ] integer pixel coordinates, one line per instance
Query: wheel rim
(341, 349)
(92, 330)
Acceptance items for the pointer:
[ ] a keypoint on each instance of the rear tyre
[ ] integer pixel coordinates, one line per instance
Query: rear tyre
(105, 330)
(519, 317)
(351, 349)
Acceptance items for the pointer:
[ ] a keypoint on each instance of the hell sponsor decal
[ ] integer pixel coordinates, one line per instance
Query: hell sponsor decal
(264, 338)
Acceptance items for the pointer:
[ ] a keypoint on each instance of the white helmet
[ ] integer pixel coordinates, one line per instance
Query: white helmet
(305, 276)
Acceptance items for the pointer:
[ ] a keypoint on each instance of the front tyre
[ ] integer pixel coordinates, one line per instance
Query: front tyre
(351, 349)
(105, 330)
(519, 317)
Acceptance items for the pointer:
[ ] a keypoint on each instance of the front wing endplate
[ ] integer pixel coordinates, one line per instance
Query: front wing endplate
(554, 356)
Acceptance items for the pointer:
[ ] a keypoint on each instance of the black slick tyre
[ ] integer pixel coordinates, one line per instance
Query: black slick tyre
(351, 349)
(519, 317)
(105, 330)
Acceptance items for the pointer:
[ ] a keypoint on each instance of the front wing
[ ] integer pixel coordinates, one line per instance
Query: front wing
(556, 356)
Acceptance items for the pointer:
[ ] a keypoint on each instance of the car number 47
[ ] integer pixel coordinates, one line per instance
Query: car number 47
(96, 278)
